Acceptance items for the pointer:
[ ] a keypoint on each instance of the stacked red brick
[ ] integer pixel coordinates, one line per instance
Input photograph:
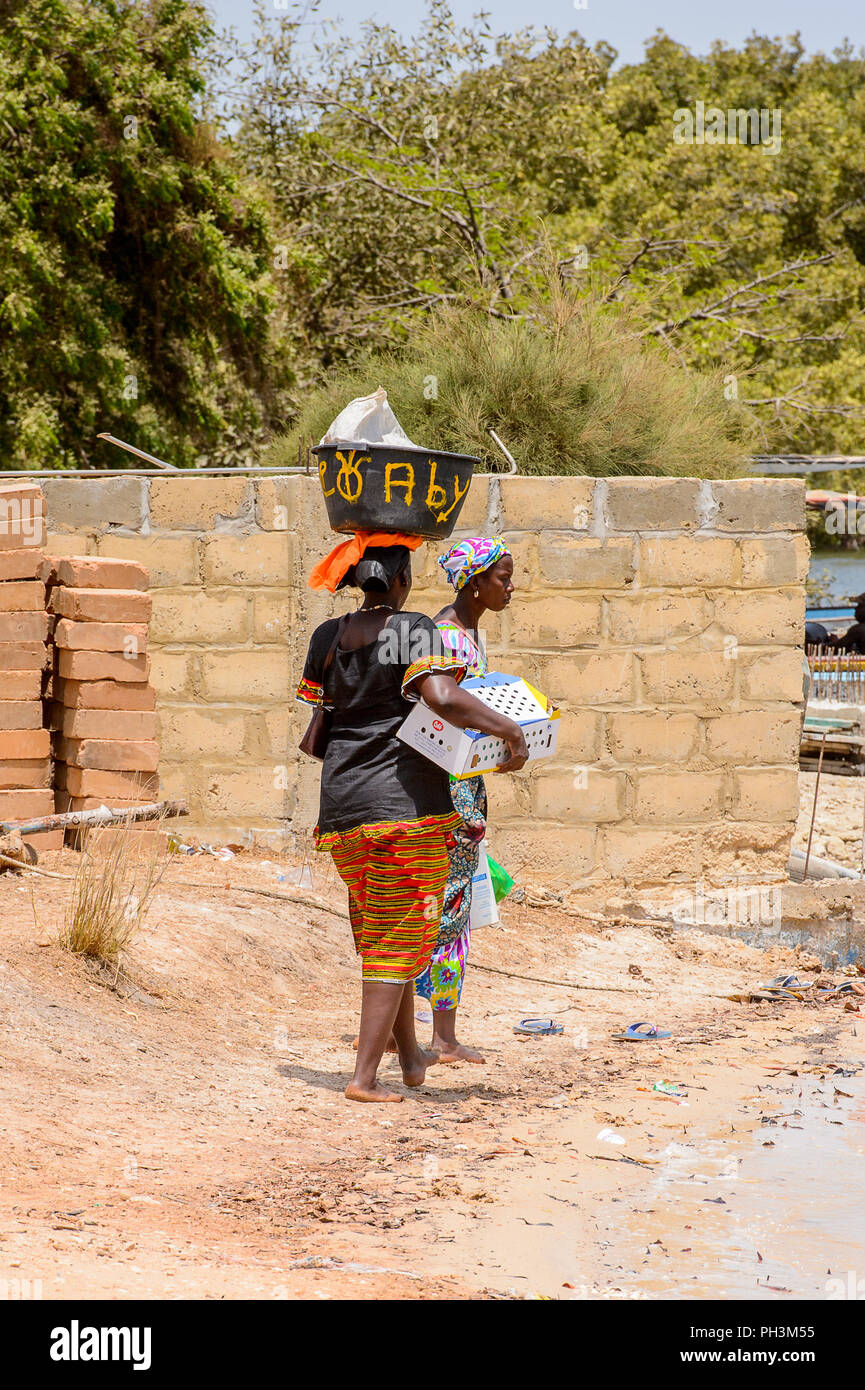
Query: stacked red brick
(102, 706)
(25, 746)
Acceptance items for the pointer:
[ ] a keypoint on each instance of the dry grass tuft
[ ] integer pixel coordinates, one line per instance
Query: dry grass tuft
(112, 891)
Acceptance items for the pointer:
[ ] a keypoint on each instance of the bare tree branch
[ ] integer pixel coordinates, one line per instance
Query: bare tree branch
(710, 310)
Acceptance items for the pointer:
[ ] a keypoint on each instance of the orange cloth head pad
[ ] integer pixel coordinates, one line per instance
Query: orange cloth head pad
(329, 571)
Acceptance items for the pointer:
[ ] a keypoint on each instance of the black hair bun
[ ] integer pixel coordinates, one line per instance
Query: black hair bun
(377, 569)
(371, 576)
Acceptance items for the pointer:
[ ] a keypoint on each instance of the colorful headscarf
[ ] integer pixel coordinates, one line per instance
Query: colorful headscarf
(470, 557)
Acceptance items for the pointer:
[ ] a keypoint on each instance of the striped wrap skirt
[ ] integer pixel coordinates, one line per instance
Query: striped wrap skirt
(395, 874)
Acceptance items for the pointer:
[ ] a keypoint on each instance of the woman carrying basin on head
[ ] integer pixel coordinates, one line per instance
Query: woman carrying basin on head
(386, 811)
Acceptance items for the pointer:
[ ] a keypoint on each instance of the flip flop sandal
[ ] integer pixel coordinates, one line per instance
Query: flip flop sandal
(539, 1027)
(634, 1033)
(785, 982)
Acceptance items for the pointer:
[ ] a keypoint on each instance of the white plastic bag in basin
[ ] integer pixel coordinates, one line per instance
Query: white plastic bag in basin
(368, 420)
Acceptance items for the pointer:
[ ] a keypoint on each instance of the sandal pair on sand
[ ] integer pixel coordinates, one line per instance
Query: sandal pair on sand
(783, 987)
(846, 987)
(635, 1032)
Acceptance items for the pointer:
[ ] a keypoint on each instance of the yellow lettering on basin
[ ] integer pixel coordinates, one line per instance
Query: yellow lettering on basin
(322, 467)
(436, 495)
(390, 482)
(443, 516)
(350, 474)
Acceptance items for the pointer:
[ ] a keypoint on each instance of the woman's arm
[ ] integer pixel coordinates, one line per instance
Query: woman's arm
(460, 707)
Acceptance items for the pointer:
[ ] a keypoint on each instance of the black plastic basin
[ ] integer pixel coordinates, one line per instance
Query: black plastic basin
(375, 487)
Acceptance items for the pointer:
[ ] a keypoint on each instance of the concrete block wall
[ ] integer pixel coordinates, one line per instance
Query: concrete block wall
(664, 615)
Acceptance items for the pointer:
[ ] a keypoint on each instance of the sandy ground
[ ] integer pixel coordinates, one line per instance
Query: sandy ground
(839, 819)
(186, 1136)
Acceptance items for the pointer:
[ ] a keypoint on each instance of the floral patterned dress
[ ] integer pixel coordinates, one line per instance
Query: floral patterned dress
(442, 981)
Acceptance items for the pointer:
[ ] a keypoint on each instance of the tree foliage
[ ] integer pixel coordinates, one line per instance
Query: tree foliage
(133, 266)
(194, 238)
(743, 255)
(398, 167)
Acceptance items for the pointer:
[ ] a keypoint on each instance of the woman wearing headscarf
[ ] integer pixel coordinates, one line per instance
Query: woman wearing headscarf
(480, 570)
(385, 810)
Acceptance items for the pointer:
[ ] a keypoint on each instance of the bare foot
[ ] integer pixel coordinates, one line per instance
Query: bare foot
(390, 1047)
(414, 1074)
(457, 1052)
(372, 1093)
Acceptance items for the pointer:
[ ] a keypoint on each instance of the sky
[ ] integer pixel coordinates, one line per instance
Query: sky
(625, 24)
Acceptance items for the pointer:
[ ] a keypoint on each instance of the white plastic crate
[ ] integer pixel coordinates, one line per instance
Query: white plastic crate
(466, 752)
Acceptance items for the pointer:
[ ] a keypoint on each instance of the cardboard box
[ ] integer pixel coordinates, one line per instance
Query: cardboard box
(465, 752)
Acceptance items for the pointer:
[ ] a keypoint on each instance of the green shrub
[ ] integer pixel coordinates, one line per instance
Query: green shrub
(570, 386)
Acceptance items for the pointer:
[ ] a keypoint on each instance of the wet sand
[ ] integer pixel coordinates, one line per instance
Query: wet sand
(189, 1137)
(746, 1192)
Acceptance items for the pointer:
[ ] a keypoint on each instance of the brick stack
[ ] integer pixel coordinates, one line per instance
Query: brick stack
(102, 705)
(25, 746)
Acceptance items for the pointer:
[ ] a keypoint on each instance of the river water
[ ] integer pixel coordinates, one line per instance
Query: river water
(842, 571)
(769, 1226)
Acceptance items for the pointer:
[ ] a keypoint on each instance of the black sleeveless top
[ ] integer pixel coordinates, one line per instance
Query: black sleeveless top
(368, 775)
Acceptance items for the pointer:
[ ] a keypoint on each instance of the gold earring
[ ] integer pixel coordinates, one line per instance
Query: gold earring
(477, 594)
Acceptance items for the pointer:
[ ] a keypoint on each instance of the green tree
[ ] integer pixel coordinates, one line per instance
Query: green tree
(398, 167)
(740, 252)
(134, 266)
